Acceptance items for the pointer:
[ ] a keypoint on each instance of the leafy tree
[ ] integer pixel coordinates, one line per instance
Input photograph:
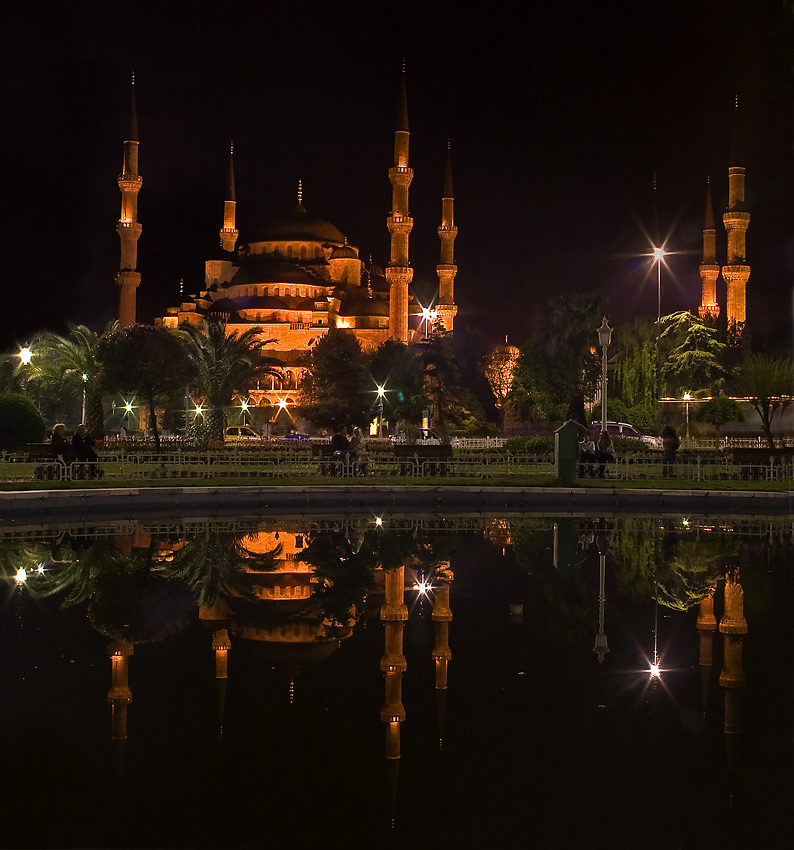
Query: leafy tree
(442, 372)
(767, 383)
(719, 410)
(635, 365)
(394, 367)
(211, 566)
(68, 365)
(146, 360)
(560, 361)
(694, 360)
(226, 364)
(20, 421)
(337, 389)
(498, 366)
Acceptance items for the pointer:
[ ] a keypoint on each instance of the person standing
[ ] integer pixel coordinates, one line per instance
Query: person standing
(605, 453)
(670, 444)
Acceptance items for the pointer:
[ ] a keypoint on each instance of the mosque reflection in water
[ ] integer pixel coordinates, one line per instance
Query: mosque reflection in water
(292, 595)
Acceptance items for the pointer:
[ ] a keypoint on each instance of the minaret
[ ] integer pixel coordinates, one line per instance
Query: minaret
(399, 272)
(736, 220)
(447, 269)
(709, 270)
(706, 626)
(128, 228)
(221, 644)
(229, 231)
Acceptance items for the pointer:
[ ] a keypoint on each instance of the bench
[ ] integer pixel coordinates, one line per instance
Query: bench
(329, 464)
(416, 459)
(57, 468)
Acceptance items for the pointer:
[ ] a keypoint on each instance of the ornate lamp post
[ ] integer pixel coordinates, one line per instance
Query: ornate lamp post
(687, 396)
(604, 338)
(379, 409)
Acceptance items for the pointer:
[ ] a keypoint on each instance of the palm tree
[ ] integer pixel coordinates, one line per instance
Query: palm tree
(227, 363)
(71, 362)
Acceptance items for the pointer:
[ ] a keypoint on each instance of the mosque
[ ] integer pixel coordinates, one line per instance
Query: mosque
(298, 275)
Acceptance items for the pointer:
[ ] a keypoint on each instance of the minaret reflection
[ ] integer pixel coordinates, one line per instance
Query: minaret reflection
(442, 655)
(706, 626)
(393, 613)
(733, 627)
(119, 695)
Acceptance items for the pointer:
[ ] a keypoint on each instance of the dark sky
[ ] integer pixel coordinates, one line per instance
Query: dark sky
(558, 114)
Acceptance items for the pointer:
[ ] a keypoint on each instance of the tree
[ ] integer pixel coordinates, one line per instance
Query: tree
(394, 367)
(146, 360)
(69, 364)
(20, 421)
(442, 371)
(337, 388)
(635, 365)
(560, 361)
(719, 410)
(693, 362)
(767, 383)
(226, 364)
(498, 366)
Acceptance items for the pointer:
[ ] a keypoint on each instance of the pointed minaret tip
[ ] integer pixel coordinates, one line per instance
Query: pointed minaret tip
(132, 135)
(230, 189)
(402, 105)
(448, 190)
(708, 222)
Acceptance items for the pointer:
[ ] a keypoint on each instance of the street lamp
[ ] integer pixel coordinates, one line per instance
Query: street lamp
(379, 409)
(428, 316)
(604, 338)
(25, 355)
(85, 378)
(658, 256)
(687, 396)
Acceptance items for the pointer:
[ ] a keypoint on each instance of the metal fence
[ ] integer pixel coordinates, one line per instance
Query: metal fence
(178, 466)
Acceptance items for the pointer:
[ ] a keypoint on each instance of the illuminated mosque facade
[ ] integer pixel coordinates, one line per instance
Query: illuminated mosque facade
(297, 276)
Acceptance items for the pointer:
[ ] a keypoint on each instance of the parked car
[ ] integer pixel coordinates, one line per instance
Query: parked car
(623, 429)
(241, 434)
(295, 437)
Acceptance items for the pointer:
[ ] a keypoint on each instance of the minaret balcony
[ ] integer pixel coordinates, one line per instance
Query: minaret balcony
(736, 220)
(399, 223)
(130, 182)
(401, 175)
(736, 271)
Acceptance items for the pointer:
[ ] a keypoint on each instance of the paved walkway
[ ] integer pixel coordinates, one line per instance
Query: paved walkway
(83, 505)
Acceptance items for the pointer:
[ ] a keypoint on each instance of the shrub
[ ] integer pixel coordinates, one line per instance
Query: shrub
(534, 445)
(20, 422)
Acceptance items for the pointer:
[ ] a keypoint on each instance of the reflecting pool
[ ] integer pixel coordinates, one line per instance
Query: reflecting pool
(396, 681)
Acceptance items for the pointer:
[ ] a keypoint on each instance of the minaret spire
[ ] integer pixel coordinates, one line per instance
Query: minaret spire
(128, 228)
(399, 273)
(447, 232)
(229, 231)
(709, 270)
(736, 220)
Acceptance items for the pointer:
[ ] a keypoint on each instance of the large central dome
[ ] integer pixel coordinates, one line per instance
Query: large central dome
(299, 226)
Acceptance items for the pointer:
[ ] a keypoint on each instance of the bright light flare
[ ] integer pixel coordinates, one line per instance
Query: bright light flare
(282, 403)
(378, 520)
(655, 671)
(25, 355)
(659, 253)
(21, 575)
(244, 406)
(40, 569)
(381, 391)
(423, 587)
(128, 407)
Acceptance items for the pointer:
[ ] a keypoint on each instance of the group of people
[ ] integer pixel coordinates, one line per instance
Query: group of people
(599, 452)
(352, 450)
(80, 448)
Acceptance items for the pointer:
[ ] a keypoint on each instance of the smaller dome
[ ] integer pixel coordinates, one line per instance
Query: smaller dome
(344, 253)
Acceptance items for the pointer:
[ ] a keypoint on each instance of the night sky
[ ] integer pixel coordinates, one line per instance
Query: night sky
(558, 115)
